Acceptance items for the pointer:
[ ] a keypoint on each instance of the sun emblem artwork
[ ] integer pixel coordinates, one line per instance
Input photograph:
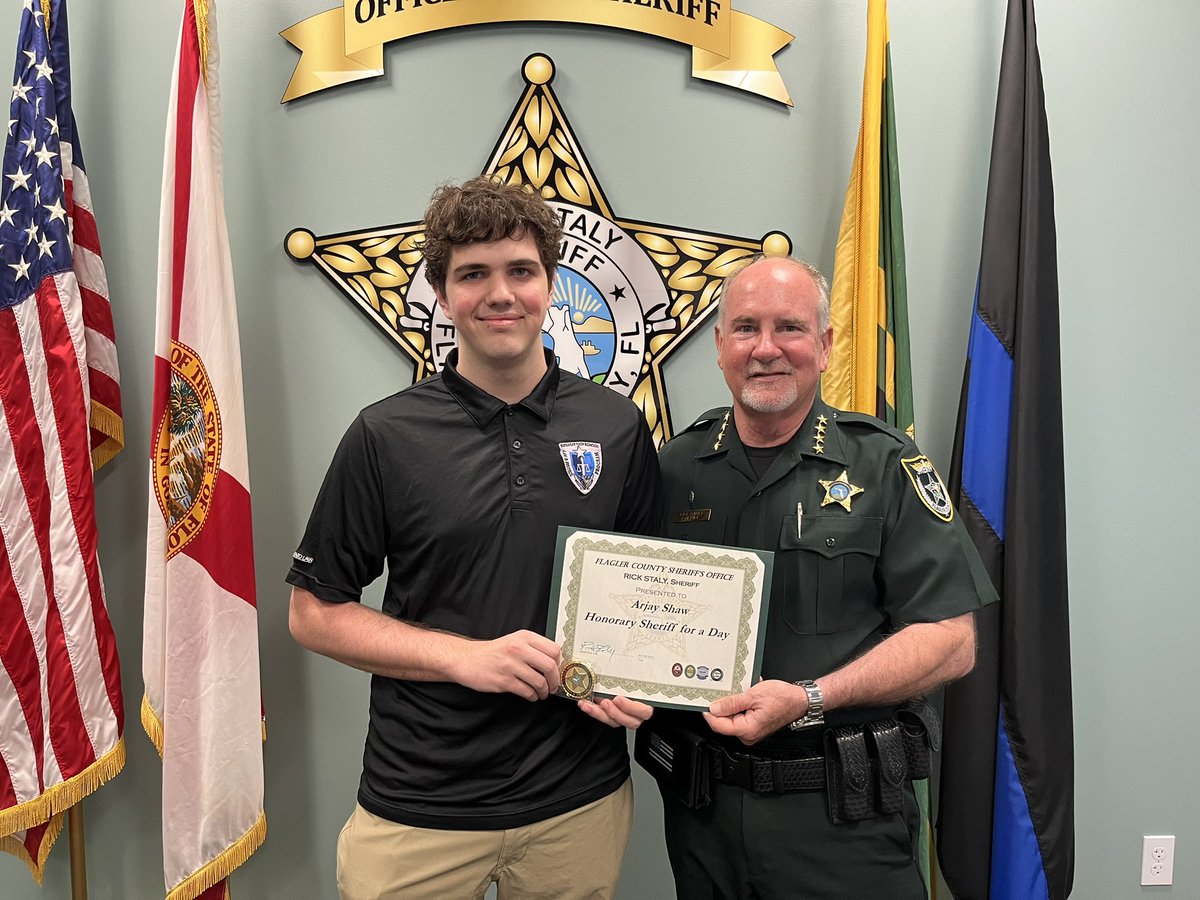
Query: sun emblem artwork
(187, 449)
(626, 293)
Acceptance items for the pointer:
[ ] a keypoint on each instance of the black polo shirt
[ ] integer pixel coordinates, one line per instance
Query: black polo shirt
(461, 495)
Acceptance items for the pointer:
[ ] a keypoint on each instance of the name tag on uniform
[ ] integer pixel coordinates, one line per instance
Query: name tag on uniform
(693, 515)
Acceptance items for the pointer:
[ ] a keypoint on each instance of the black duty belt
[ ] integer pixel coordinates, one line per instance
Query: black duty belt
(862, 768)
(857, 760)
(767, 774)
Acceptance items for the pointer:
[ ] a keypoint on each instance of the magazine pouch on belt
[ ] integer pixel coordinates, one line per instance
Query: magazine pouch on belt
(848, 775)
(922, 732)
(893, 767)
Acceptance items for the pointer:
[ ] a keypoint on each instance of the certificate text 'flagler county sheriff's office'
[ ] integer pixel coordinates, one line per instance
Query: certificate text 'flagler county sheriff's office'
(657, 567)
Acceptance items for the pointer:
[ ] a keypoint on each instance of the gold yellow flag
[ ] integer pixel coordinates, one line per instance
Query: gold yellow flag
(869, 370)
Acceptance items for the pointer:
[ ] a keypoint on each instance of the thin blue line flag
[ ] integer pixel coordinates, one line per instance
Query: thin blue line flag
(1006, 810)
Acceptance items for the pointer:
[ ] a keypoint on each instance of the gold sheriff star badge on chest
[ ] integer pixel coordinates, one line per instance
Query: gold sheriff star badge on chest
(626, 293)
(839, 490)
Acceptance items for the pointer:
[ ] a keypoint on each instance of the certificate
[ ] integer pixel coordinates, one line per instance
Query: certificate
(669, 623)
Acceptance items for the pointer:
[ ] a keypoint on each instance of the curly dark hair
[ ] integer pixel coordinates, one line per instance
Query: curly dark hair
(482, 210)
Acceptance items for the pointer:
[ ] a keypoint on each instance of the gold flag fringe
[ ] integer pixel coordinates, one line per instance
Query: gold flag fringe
(223, 864)
(64, 795)
(107, 422)
(201, 7)
(37, 867)
(153, 725)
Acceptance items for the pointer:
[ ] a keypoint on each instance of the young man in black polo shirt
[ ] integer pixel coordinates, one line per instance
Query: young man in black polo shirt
(458, 484)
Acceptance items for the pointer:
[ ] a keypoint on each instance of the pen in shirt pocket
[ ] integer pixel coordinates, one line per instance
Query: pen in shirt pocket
(799, 518)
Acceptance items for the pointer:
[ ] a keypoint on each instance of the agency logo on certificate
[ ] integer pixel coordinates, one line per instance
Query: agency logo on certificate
(667, 622)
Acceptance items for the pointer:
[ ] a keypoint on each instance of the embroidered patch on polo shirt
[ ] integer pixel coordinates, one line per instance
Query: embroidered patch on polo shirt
(583, 462)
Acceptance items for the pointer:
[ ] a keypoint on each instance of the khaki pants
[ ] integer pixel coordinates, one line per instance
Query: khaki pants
(575, 856)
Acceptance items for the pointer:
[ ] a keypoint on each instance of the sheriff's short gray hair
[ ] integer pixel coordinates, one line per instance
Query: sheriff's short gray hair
(812, 271)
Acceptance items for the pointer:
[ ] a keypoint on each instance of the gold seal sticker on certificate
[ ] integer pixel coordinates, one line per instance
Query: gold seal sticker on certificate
(670, 623)
(578, 680)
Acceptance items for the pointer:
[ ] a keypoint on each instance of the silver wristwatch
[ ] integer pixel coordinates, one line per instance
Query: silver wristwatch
(816, 706)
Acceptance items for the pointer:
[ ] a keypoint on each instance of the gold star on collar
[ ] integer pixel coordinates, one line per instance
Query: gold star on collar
(819, 436)
(721, 433)
(839, 490)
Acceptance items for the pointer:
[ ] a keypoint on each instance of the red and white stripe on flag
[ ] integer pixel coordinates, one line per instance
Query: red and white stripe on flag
(202, 706)
(61, 714)
(104, 376)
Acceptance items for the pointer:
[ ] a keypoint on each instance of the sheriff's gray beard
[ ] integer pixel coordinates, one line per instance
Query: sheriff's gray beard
(761, 398)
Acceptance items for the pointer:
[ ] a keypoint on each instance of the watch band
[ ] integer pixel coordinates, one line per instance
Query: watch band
(816, 706)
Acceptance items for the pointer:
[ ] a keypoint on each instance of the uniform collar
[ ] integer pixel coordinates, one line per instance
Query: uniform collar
(482, 407)
(818, 437)
(818, 442)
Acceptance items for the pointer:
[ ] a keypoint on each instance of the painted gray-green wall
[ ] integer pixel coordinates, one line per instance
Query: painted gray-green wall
(1124, 126)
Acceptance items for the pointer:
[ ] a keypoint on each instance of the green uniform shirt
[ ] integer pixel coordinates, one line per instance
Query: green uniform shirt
(864, 536)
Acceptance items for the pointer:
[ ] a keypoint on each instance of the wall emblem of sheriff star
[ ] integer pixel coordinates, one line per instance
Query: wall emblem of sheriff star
(626, 293)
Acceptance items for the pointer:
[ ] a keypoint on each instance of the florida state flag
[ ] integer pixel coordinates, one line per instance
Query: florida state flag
(202, 706)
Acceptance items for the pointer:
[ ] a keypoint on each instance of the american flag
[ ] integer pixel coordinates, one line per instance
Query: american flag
(61, 713)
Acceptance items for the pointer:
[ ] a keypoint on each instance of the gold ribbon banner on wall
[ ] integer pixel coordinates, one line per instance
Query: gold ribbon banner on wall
(345, 44)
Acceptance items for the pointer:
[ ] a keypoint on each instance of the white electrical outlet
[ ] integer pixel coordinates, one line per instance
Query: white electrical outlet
(1158, 858)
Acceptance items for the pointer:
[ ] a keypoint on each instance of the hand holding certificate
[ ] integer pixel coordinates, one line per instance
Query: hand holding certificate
(669, 623)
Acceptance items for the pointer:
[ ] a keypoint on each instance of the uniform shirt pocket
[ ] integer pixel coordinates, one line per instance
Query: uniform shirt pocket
(826, 573)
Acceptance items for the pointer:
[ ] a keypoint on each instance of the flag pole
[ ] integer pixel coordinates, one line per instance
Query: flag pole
(78, 860)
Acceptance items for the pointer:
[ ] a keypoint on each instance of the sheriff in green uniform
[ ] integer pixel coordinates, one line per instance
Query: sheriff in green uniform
(872, 601)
